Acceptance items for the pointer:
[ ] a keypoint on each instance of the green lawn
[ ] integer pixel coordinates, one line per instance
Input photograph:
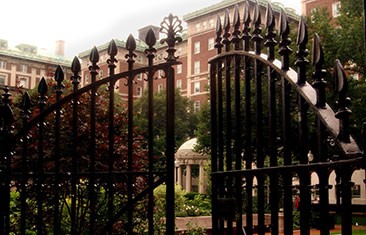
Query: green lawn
(355, 232)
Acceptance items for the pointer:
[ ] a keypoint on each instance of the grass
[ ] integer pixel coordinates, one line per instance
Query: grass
(355, 232)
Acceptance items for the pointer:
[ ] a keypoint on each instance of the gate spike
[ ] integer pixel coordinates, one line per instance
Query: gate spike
(218, 43)
(42, 87)
(301, 42)
(131, 43)
(285, 50)
(236, 32)
(94, 55)
(59, 75)
(75, 65)
(26, 103)
(112, 48)
(257, 38)
(150, 38)
(8, 116)
(226, 26)
(342, 104)
(319, 73)
(246, 31)
(6, 95)
(271, 34)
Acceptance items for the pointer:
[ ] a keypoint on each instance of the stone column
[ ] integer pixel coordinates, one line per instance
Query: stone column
(201, 179)
(180, 175)
(188, 178)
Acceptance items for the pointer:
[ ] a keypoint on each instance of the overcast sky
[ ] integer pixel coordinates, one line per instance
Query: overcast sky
(85, 23)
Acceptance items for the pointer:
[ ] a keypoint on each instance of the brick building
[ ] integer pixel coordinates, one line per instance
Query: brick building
(332, 6)
(194, 51)
(24, 65)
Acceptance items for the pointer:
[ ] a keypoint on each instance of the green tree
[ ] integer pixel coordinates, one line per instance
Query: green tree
(185, 119)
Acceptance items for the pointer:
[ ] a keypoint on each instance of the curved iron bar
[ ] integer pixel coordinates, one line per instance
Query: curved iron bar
(326, 114)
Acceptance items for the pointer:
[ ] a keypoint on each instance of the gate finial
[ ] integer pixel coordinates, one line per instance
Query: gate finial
(271, 34)
(257, 38)
(342, 104)
(42, 90)
(319, 83)
(112, 52)
(236, 31)
(94, 58)
(150, 41)
(301, 42)
(285, 50)
(59, 78)
(26, 105)
(75, 68)
(246, 31)
(171, 26)
(226, 26)
(218, 43)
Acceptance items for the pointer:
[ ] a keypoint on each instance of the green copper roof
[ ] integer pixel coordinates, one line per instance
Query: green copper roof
(227, 3)
(35, 57)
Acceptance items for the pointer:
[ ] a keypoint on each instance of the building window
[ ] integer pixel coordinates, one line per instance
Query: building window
(179, 69)
(356, 191)
(2, 80)
(212, 23)
(204, 25)
(86, 79)
(23, 68)
(211, 43)
(2, 65)
(100, 74)
(139, 91)
(197, 106)
(196, 87)
(198, 27)
(23, 82)
(336, 7)
(197, 47)
(179, 51)
(179, 84)
(197, 67)
(160, 88)
(139, 77)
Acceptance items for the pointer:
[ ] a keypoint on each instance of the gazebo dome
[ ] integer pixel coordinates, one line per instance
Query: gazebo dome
(186, 151)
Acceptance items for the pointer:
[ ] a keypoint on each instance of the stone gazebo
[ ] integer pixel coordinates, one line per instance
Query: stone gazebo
(187, 159)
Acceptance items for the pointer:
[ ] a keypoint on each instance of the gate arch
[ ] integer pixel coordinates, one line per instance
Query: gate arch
(267, 114)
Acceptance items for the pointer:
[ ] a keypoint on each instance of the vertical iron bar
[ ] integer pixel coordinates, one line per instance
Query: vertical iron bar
(305, 200)
(94, 58)
(323, 175)
(238, 122)
(112, 51)
(257, 39)
(5, 161)
(170, 144)
(248, 123)
(23, 193)
(59, 77)
(150, 54)
(213, 115)
(270, 43)
(346, 214)
(75, 67)
(286, 120)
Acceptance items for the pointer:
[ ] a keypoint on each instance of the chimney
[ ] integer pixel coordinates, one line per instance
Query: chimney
(60, 48)
(143, 31)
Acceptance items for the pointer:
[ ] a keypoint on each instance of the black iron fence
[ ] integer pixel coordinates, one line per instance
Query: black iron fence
(75, 164)
(273, 132)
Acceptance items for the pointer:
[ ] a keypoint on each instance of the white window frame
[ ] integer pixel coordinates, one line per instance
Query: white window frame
(197, 106)
(196, 87)
(2, 64)
(197, 47)
(197, 67)
(179, 68)
(336, 6)
(211, 44)
(198, 27)
(179, 84)
(212, 23)
(23, 82)
(23, 68)
(160, 88)
(4, 77)
(139, 91)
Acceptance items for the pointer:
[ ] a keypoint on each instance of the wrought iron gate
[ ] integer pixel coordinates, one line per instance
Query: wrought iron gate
(271, 131)
(73, 167)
